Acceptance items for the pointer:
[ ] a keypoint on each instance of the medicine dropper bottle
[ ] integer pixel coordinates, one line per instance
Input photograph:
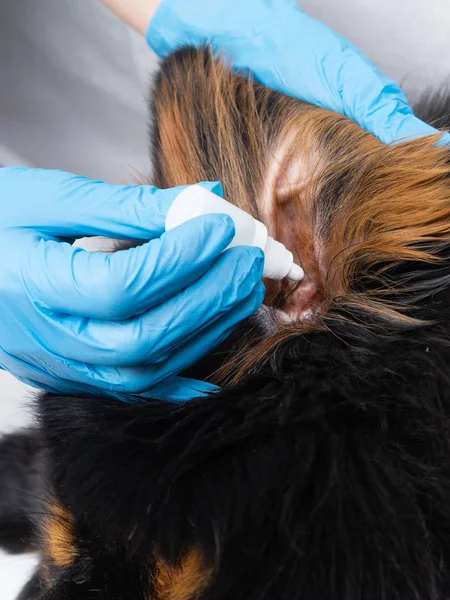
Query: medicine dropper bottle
(195, 201)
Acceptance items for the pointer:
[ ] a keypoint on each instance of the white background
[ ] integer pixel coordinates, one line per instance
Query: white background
(73, 86)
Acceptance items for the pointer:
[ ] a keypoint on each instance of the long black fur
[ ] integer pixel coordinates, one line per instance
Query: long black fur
(21, 490)
(434, 108)
(326, 475)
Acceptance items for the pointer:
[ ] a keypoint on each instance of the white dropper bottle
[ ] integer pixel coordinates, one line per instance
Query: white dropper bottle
(196, 200)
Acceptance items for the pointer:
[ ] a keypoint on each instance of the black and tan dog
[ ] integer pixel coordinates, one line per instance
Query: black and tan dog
(322, 470)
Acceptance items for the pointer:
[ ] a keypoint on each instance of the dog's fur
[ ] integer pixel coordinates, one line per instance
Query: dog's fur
(324, 473)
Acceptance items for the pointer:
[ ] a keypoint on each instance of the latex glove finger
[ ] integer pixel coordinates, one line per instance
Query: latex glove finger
(192, 352)
(175, 389)
(61, 204)
(71, 280)
(154, 336)
(180, 389)
(292, 53)
(135, 380)
(77, 377)
(368, 96)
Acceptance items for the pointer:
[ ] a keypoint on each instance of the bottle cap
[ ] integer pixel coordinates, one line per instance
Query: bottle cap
(279, 262)
(296, 273)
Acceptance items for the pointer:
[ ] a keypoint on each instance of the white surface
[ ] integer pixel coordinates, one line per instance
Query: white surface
(15, 403)
(14, 572)
(73, 94)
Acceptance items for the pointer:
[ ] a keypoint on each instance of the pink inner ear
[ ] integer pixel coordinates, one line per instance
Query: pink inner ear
(286, 211)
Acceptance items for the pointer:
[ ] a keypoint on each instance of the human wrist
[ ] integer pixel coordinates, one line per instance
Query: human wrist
(137, 13)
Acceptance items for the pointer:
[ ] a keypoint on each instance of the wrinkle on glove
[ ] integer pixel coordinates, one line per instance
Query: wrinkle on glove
(122, 324)
(294, 54)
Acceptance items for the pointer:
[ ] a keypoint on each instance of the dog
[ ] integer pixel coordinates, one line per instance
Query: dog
(321, 470)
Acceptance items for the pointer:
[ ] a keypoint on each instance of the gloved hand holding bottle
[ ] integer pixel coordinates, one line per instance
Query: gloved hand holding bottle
(78, 321)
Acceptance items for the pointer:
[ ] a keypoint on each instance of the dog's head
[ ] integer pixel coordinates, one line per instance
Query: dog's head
(323, 469)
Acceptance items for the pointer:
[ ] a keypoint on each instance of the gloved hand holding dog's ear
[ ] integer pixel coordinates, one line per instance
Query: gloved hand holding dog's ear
(78, 321)
(292, 53)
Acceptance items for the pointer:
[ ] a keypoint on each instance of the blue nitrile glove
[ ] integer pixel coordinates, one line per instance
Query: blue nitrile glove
(78, 321)
(292, 53)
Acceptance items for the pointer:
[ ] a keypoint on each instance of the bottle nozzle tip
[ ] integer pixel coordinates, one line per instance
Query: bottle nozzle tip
(296, 273)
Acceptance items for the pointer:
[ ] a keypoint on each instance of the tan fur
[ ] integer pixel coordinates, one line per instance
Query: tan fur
(342, 201)
(58, 536)
(184, 581)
